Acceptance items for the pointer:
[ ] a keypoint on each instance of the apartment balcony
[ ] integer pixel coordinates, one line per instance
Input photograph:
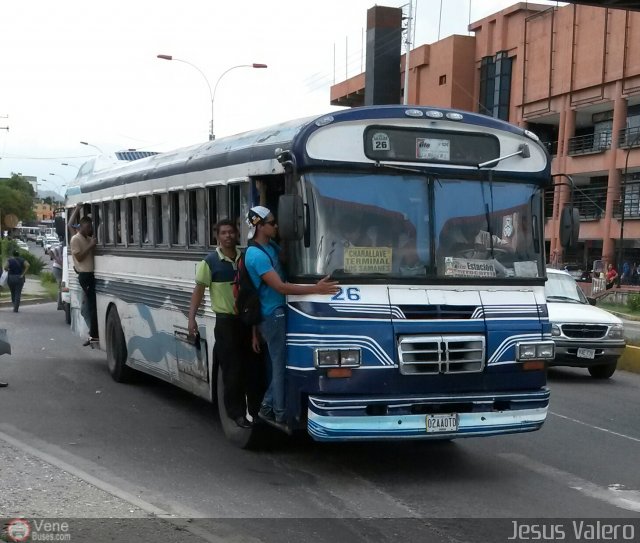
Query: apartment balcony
(590, 144)
(629, 137)
(590, 200)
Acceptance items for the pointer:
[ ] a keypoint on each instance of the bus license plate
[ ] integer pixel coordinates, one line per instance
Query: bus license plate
(442, 423)
(586, 353)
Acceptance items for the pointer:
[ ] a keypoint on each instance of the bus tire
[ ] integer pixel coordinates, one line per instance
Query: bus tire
(244, 438)
(116, 349)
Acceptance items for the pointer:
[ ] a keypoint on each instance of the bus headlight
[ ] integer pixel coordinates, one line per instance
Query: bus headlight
(350, 358)
(544, 350)
(337, 358)
(555, 330)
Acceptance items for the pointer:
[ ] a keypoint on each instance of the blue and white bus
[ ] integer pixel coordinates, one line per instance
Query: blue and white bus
(430, 219)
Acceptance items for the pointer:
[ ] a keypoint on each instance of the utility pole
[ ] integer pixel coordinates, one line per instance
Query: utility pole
(407, 54)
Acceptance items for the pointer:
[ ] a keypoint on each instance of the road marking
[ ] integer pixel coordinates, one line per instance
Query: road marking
(152, 510)
(632, 347)
(614, 495)
(637, 440)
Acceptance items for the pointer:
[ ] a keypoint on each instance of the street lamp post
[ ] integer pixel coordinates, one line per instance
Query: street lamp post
(212, 95)
(64, 185)
(635, 140)
(254, 65)
(92, 145)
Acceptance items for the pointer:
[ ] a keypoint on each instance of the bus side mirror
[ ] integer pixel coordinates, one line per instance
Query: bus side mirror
(290, 217)
(569, 227)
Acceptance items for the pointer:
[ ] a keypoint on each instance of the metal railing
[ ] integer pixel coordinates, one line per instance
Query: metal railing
(591, 200)
(591, 143)
(629, 137)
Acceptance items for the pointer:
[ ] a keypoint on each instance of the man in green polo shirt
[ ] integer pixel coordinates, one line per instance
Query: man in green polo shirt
(240, 369)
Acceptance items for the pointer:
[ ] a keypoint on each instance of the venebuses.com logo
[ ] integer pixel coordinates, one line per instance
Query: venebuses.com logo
(18, 530)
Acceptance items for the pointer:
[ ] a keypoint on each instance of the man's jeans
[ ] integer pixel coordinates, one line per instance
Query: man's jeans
(274, 332)
(88, 283)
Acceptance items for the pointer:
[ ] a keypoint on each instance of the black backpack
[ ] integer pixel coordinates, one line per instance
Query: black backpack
(246, 294)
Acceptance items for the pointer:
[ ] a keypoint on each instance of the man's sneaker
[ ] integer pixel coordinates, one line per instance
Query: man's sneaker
(242, 422)
(90, 341)
(266, 414)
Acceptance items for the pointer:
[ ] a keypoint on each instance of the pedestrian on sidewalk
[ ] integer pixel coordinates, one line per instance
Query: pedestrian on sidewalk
(17, 268)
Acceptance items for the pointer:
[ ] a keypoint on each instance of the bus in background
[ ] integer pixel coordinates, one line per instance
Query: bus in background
(25, 233)
(430, 219)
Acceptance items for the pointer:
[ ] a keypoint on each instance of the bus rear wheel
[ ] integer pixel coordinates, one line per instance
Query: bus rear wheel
(116, 349)
(244, 438)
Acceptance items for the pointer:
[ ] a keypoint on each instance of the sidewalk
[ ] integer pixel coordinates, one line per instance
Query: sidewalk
(32, 293)
(36, 486)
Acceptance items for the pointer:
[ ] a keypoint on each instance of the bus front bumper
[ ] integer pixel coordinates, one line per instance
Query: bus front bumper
(398, 418)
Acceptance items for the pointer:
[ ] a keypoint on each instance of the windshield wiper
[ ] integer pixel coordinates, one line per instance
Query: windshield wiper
(563, 298)
(523, 149)
(398, 168)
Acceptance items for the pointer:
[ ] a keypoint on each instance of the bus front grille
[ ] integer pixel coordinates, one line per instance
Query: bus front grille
(432, 354)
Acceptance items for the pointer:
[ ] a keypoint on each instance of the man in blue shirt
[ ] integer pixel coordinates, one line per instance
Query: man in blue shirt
(262, 261)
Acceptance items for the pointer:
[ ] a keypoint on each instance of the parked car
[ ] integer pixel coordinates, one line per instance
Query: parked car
(22, 245)
(40, 240)
(585, 336)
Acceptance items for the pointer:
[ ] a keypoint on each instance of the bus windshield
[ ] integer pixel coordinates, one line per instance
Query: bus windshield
(416, 226)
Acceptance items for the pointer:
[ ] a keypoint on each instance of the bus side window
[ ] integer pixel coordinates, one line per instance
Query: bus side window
(108, 222)
(133, 221)
(119, 223)
(238, 208)
(196, 207)
(97, 223)
(212, 203)
(177, 218)
(145, 219)
(158, 218)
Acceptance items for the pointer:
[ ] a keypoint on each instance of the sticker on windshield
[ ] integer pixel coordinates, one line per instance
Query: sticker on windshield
(462, 267)
(380, 142)
(367, 259)
(432, 149)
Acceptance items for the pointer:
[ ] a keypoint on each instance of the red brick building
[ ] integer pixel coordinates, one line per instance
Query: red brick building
(572, 75)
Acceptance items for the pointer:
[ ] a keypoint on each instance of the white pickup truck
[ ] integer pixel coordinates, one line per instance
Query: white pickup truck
(585, 336)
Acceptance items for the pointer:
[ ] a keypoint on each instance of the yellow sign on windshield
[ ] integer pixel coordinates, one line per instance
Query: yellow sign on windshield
(367, 259)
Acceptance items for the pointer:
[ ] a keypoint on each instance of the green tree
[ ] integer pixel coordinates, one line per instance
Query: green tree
(16, 197)
(19, 183)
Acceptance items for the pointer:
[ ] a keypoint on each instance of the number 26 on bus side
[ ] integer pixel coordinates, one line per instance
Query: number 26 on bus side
(351, 293)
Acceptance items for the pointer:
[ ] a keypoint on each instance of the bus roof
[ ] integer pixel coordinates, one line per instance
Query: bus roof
(263, 145)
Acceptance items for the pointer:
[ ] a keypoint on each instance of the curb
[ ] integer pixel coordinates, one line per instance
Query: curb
(623, 315)
(27, 301)
(630, 359)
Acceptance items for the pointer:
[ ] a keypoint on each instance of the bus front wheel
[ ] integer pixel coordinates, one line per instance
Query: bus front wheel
(116, 349)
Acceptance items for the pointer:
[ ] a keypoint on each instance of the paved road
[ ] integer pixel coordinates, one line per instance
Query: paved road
(153, 443)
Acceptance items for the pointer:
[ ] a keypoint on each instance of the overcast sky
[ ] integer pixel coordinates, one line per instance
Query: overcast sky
(74, 70)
